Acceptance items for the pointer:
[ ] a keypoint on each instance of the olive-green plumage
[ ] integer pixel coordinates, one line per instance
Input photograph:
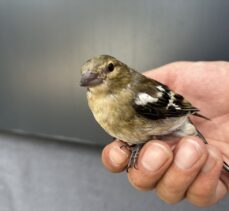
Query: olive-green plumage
(112, 102)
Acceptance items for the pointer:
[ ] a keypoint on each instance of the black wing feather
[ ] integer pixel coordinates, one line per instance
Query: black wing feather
(162, 108)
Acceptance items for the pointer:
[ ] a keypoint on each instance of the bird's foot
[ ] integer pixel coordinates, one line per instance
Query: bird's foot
(126, 146)
(134, 156)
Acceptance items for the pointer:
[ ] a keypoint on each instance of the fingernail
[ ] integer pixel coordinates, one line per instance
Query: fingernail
(188, 154)
(117, 156)
(154, 157)
(211, 161)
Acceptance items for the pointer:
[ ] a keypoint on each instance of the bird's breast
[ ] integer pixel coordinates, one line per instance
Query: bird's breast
(113, 112)
(117, 117)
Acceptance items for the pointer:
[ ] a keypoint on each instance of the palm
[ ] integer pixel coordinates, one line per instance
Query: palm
(206, 86)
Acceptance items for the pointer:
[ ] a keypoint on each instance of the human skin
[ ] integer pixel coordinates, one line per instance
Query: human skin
(185, 168)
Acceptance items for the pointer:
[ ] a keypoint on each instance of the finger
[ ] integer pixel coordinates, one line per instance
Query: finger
(153, 160)
(223, 147)
(207, 189)
(115, 157)
(190, 155)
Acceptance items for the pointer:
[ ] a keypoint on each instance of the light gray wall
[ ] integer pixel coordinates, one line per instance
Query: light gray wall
(45, 175)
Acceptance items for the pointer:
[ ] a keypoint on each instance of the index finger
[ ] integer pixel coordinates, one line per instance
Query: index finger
(115, 157)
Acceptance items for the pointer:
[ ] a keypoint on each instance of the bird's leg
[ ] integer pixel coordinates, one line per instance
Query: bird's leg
(134, 155)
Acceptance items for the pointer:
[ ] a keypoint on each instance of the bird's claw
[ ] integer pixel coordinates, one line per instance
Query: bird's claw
(135, 149)
(126, 146)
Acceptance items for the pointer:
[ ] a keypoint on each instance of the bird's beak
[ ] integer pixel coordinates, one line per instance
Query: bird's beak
(90, 79)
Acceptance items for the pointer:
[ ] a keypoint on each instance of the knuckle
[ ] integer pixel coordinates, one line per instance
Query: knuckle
(168, 198)
(202, 189)
(140, 182)
(169, 193)
(169, 186)
(202, 197)
(203, 202)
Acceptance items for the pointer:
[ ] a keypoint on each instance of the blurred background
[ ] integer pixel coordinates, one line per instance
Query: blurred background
(50, 144)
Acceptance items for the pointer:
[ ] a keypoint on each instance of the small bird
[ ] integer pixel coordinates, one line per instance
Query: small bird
(133, 108)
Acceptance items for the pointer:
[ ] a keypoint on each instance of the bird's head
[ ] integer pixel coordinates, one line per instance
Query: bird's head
(104, 73)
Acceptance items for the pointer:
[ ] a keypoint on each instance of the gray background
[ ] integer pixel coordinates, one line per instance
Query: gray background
(43, 43)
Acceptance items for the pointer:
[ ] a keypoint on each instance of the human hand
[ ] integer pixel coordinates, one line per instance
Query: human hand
(186, 168)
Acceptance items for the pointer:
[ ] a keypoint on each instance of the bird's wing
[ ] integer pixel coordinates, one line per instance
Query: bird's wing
(154, 100)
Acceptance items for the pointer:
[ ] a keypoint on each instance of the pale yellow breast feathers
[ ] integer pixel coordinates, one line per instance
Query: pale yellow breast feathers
(112, 111)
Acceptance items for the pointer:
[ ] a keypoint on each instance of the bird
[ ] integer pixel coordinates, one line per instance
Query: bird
(134, 108)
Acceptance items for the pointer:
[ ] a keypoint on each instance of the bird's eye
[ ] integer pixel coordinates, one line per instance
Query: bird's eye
(110, 67)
